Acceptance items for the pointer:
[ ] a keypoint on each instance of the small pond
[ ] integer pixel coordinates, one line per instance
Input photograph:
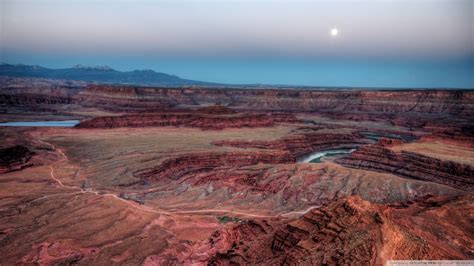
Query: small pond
(65, 123)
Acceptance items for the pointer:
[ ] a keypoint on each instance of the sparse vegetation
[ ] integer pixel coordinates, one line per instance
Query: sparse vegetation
(226, 219)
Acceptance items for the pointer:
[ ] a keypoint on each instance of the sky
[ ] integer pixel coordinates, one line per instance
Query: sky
(380, 43)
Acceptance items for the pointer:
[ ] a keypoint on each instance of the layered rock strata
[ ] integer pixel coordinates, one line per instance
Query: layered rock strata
(187, 120)
(422, 101)
(352, 231)
(300, 144)
(191, 164)
(347, 104)
(411, 165)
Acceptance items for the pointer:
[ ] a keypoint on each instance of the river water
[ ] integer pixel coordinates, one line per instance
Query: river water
(65, 123)
(320, 156)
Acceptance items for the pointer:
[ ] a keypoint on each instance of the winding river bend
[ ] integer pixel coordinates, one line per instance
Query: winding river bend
(65, 123)
(320, 156)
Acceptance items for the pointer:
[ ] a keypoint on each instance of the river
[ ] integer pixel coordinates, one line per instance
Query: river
(320, 156)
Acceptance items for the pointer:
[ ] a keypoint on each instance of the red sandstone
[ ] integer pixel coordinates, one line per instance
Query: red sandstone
(352, 231)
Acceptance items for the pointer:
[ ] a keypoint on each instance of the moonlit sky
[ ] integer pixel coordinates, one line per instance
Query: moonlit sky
(399, 43)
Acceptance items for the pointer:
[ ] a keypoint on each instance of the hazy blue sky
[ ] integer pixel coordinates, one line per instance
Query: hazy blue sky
(406, 43)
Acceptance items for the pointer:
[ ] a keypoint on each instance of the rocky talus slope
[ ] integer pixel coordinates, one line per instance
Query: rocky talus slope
(352, 231)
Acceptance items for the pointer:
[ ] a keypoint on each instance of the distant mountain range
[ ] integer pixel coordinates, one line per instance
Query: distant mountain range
(99, 74)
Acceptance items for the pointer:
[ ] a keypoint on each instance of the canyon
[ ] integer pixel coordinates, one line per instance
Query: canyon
(214, 175)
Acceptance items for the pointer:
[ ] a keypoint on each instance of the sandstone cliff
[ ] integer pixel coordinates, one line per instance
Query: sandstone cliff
(336, 102)
(413, 101)
(203, 121)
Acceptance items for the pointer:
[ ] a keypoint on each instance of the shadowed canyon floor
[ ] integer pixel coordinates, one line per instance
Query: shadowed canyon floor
(188, 176)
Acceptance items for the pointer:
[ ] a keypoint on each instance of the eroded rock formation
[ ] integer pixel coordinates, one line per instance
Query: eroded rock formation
(191, 164)
(302, 143)
(160, 194)
(443, 101)
(352, 231)
(398, 106)
(411, 165)
(15, 158)
(216, 110)
(187, 120)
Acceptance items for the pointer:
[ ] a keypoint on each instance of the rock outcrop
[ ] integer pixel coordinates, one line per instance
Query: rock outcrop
(302, 143)
(216, 110)
(15, 158)
(411, 165)
(388, 142)
(352, 231)
(457, 131)
(348, 104)
(203, 121)
(421, 101)
(192, 164)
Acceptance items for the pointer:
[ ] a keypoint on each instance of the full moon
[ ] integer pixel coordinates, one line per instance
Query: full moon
(334, 32)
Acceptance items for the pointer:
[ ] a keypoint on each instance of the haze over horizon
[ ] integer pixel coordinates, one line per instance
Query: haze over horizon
(425, 43)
